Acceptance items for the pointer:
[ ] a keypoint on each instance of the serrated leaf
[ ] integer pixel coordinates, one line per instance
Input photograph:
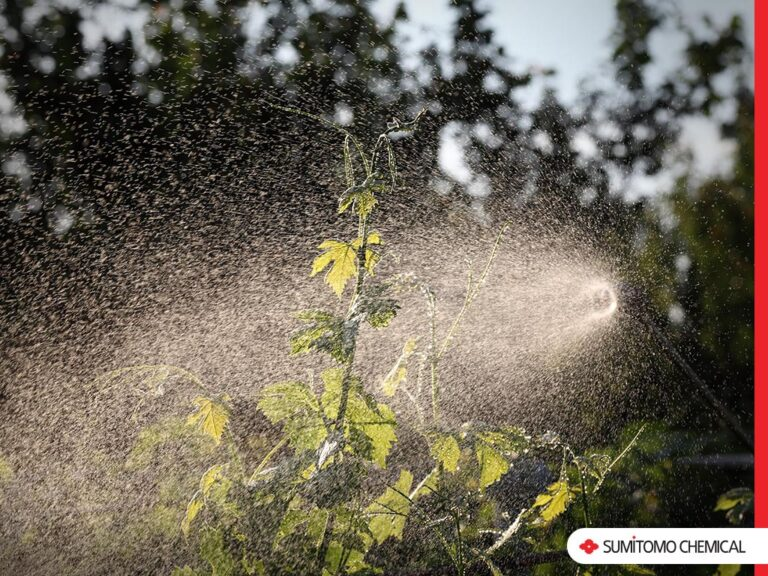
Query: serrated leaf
(215, 550)
(151, 439)
(362, 197)
(324, 332)
(445, 449)
(390, 510)
(378, 308)
(376, 422)
(214, 484)
(295, 406)
(492, 464)
(354, 561)
(380, 429)
(211, 417)
(554, 501)
(341, 260)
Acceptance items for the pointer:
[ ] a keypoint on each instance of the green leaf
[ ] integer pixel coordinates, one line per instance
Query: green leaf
(295, 406)
(509, 441)
(214, 550)
(733, 498)
(214, 483)
(381, 317)
(728, 569)
(735, 503)
(445, 449)
(355, 561)
(186, 571)
(341, 260)
(332, 380)
(362, 197)
(313, 521)
(324, 332)
(378, 308)
(390, 510)
(555, 500)
(152, 438)
(380, 428)
(375, 422)
(211, 417)
(492, 464)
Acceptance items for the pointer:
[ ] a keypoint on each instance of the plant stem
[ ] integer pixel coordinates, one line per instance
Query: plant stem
(584, 500)
(459, 550)
(275, 449)
(322, 550)
(473, 289)
(346, 382)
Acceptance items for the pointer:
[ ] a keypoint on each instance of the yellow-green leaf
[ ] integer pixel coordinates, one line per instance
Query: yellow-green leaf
(445, 449)
(211, 417)
(341, 260)
(492, 464)
(390, 510)
(295, 406)
(733, 498)
(193, 509)
(728, 569)
(375, 421)
(363, 197)
(554, 501)
(213, 475)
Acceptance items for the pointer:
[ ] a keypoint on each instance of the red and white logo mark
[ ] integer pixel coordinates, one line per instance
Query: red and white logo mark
(589, 546)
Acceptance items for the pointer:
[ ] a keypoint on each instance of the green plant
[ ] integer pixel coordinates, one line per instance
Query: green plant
(305, 506)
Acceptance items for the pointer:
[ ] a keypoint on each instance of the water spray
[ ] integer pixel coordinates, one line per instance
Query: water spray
(635, 303)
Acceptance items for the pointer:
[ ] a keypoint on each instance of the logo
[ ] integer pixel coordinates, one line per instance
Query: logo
(589, 546)
(682, 546)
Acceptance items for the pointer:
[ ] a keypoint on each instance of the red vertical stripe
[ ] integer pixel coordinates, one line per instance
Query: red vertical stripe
(761, 269)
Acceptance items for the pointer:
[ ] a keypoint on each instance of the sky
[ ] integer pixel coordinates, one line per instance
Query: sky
(572, 37)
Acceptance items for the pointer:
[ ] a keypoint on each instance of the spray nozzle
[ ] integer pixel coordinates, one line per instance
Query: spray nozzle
(602, 300)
